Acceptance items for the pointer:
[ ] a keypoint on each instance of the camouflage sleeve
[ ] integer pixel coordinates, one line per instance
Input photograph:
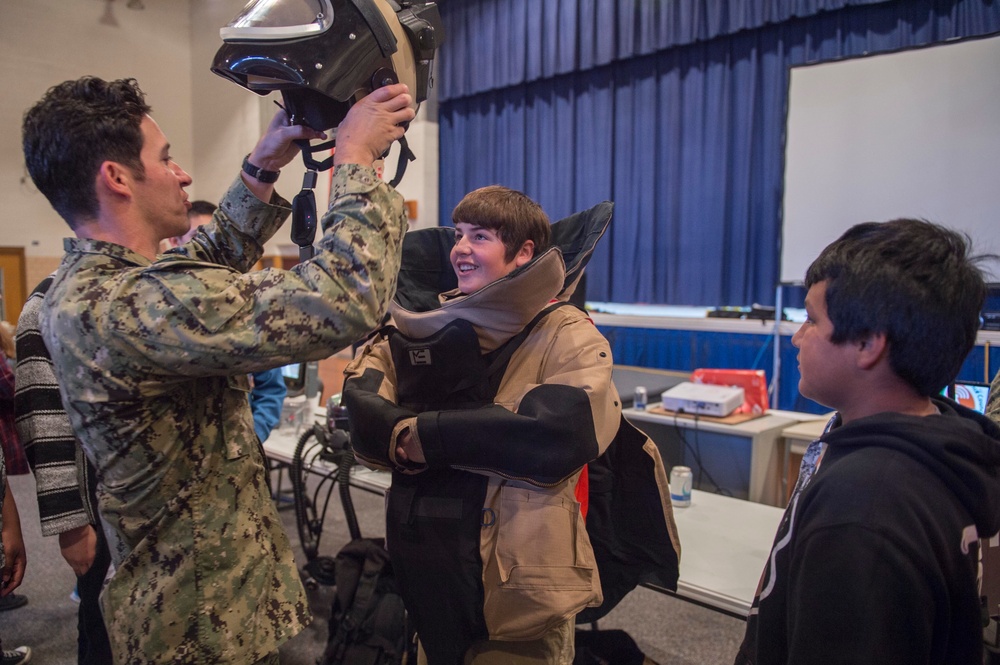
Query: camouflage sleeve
(240, 226)
(993, 404)
(189, 318)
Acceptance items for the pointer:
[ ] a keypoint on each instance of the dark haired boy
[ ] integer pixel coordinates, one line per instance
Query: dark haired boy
(487, 430)
(876, 558)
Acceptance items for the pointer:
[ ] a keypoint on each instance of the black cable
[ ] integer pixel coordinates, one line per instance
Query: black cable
(696, 454)
(697, 446)
(302, 519)
(344, 478)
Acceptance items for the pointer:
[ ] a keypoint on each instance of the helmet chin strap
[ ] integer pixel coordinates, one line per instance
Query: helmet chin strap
(304, 204)
(405, 156)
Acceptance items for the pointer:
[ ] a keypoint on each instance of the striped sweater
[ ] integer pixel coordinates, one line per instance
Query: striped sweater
(64, 479)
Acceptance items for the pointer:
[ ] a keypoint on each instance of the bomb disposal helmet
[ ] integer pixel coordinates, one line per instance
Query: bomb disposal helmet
(323, 55)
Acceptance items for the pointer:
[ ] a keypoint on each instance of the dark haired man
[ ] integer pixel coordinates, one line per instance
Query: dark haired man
(200, 207)
(876, 560)
(152, 355)
(199, 215)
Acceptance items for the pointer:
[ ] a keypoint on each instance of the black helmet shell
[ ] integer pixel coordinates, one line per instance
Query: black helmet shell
(322, 67)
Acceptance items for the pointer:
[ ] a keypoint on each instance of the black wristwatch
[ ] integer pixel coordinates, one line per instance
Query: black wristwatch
(259, 173)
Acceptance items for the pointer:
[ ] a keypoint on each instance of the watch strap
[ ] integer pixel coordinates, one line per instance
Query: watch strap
(258, 173)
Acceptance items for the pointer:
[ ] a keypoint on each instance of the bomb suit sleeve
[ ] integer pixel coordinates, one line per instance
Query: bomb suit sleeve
(556, 408)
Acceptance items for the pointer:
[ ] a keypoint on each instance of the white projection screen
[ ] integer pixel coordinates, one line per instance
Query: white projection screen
(908, 134)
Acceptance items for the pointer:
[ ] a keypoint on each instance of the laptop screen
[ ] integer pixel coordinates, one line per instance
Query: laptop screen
(295, 376)
(972, 394)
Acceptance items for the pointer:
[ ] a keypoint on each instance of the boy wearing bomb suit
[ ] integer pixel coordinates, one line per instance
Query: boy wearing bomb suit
(488, 403)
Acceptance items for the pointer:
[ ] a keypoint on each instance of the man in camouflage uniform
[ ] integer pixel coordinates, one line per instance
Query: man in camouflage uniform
(152, 354)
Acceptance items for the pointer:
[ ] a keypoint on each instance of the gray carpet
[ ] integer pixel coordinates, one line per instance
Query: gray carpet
(668, 630)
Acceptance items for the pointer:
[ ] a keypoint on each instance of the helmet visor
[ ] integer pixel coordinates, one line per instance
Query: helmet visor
(279, 19)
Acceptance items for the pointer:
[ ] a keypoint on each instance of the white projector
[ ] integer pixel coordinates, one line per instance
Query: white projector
(703, 399)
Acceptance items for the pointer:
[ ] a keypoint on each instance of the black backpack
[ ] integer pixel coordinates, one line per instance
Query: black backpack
(368, 622)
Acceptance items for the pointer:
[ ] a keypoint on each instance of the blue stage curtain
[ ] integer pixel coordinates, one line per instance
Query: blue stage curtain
(500, 43)
(688, 141)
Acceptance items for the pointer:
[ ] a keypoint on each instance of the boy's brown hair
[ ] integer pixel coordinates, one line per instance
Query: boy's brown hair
(513, 216)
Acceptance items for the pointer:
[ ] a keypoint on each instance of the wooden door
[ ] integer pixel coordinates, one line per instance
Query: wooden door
(13, 283)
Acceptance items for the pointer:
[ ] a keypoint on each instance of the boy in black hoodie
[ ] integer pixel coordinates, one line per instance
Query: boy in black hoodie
(875, 560)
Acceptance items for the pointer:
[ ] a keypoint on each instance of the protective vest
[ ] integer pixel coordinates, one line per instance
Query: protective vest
(441, 522)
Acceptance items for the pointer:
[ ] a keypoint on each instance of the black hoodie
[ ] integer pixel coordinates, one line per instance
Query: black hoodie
(876, 560)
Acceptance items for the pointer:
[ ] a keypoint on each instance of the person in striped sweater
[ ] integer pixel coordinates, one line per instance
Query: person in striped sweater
(66, 483)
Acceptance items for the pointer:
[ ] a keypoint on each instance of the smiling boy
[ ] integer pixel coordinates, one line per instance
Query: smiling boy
(875, 560)
(456, 448)
(505, 229)
(487, 404)
(504, 232)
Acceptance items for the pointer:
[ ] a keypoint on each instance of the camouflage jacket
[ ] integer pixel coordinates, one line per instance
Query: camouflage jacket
(152, 360)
